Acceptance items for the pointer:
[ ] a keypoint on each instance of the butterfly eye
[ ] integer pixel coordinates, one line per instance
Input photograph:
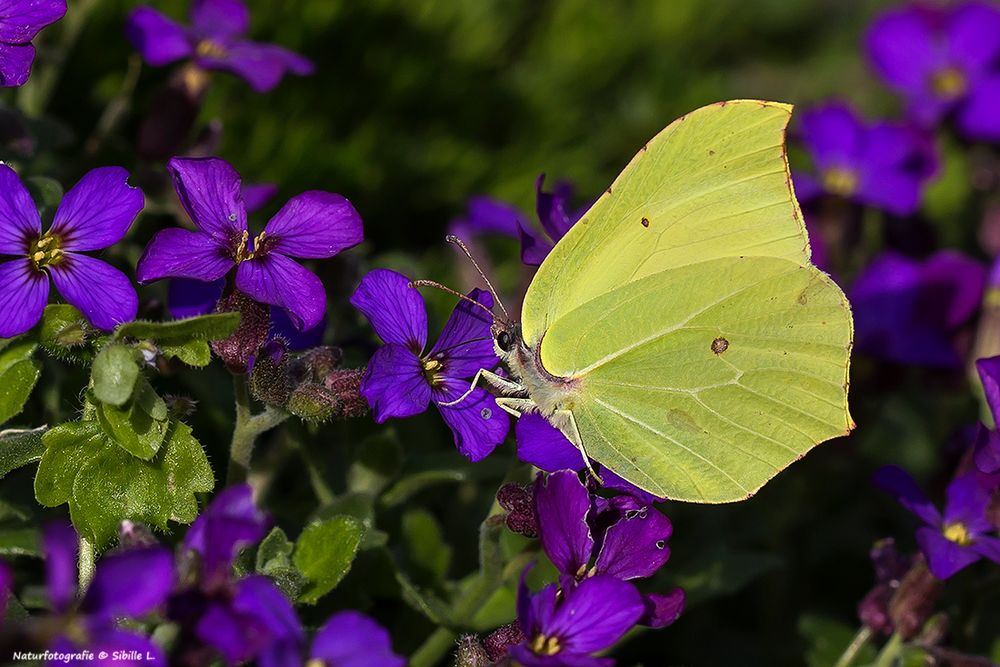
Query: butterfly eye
(504, 341)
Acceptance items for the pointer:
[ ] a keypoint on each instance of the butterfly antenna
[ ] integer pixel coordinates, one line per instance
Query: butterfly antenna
(451, 238)
(436, 285)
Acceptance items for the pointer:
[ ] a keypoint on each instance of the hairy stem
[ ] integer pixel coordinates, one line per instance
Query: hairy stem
(247, 429)
(847, 658)
(85, 562)
(465, 608)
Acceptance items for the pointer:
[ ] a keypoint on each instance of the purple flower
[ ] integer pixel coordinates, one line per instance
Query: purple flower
(908, 310)
(884, 165)
(20, 21)
(631, 544)
(943, 61)
(957, 538)
(987, 446)
(402, 379)
(312, 225)
(544, 446)
(94, 214)
(216, 40)
(565, 628)
(486, 215)
(351, 639)
(128, 584)
(240, 618)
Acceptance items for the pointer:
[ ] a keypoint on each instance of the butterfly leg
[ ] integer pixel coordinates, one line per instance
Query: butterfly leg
(566, 422)
(503, 385)
(516, 406)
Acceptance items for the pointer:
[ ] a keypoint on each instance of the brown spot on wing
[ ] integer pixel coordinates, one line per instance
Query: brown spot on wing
(645, 222)
(720, 345)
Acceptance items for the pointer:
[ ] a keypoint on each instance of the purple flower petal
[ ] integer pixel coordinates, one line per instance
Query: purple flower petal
(220, 19)
(182, 253)
(966, 503)
(534, 249)
(466, 343)
(988, 547)
(20, 21)
(544, 446)
(256, 195)
(23, 297)
(236, 638)
(261, 65)
(122, 648)
(351, 639)
(484, 215)
(19, 221)
(899, 484)
(524, 656)
(394, 383)
(60, 543)
(279, 281)
(807, 188)
(15, 64)
(944, 557)
(130, 583)
(977, 118)
(636, 546)
(894, 164)
(561, 506)
(394, 309)
(476, 423)
(595, 615)
(101, 292)
(210, 190)
(552, 208)
(834, 135)
(158, 39)
(987, 451)
(989, 376)
(315, 224)
(901, 48)
(259, 598)
(283, 327)
(97, 211)
(612, 481)
(973, 36)
(188, 298)
(230, 522)
(952, 288)
(662, 609)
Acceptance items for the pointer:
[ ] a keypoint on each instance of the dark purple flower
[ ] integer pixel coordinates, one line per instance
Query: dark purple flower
(882, 164)
(957, 538)
(216, 40)
(908, 310)
(20, 21)
(352, 639)
(565, 628)
(490, 216)
(127, 584)
(987, 444)
(943, 61)
(402, 379)
(312, 225)
(240, 618)
(544, 446)
(94, 214)
(632, 546)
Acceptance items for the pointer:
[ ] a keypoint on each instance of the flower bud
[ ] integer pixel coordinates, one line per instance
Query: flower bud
(914, 599)
(520, 518)
(501, 639)
(313, 402)
(236, 350)
(269, 380)
(345, 384)
(470, 653)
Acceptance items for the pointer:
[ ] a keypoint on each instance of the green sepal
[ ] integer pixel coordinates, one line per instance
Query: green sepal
(204, 327)
(324, 553)
(19, 373)
(114, 374)
(64, 333)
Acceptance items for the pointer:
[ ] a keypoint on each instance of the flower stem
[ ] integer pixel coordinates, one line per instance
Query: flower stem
(846, 658)
(247, 429)
(466, 607)
(116, 107)
(85, 562)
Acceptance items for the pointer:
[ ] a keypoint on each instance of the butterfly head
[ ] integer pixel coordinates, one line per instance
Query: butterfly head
(506, 337)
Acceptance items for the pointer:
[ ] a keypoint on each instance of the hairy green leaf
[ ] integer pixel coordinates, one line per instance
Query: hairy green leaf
(140, 425)
(204, 327)
(193, 352)
(19, 448)
(324, 553)
(18, 375)
(114, 374)
(274, 559)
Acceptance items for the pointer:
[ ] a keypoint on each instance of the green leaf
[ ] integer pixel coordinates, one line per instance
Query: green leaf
(324, 553)
(19, 448)
(204, 327)
(193, 352)
(19, 542)
(18, 375)
(826, 640)
(427, 552)
(274, 559)
(105, 485)
(434, 608)
(139, 426)
(114, 374)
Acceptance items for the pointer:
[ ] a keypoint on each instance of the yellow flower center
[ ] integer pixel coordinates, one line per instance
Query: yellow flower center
(208, 48)
(316, 662)
(432, 367)
(243, 252)
(545, 645)
(957, 533)
(840, 181)
(46, 251)
(948, 83)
